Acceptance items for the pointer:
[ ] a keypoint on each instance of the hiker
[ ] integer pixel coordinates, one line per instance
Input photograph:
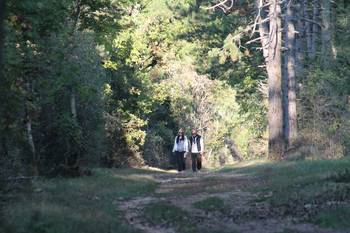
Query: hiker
(197, 150)
(180, 149)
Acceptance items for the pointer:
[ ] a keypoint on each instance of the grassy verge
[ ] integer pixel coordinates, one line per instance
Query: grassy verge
(336, 218)
(212, 204)
(163, 213)
(305, 188)
(86, 204)
(166, 214)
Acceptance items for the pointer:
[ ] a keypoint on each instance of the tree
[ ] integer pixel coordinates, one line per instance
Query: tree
(274, 71)
(269, 23)
(326, 33)
(289, 76)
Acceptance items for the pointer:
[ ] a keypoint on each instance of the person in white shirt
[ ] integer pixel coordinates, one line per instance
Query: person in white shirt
(180, 148)
(197, 150)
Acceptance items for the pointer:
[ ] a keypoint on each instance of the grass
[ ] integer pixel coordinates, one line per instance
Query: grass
(292, 185)
(85, 204)
(163, 213)
(335, 218)
(166, 214)
(211, 204)
(297, 180)
(90, 204)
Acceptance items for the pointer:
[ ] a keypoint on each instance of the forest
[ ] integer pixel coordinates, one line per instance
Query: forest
(93, 93)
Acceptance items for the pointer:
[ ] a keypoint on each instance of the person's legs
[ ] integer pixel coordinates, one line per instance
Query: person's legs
(179, 160)
(183, 161)
(194, 161)
(199, 162)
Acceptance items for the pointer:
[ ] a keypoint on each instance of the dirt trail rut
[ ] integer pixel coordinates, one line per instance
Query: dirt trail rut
(245, 214)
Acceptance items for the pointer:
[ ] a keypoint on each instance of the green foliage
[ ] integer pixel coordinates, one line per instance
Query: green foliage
(50, 61)
(324, 101)
(158, 58)
(324, 93)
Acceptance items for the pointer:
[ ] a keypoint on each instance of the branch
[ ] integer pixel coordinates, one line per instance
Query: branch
(258, 16)
(222, 5)
(312, 21)
(21, 178)
(254, 40)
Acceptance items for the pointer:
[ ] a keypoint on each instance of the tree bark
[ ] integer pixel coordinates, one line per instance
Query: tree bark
(236, 155)
(263, 27)
(3, 146)
(289, 91)
(315, 30)
(308, 27)
(326, 36)
(29, 131)
(271, 41)
(73, 105)
(274, 70)
(299, 45)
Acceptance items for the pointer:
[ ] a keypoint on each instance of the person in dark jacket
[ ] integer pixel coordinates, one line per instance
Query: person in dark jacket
(180, 149)
(197, 150)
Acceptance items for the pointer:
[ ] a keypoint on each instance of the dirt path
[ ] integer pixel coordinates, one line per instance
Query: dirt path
(242, 212)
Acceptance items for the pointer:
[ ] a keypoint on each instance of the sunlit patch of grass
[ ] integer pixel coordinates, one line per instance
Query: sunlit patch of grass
(245, 166)
(145, 170)
(211, 204)
(336, 218)
(84, 204)
(163, 213)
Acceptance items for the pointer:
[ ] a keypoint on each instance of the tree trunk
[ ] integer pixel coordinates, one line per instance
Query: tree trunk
(263, 27)
(299, 45)
(73, 105)
(308, 27)
(29, 132)
(236, 155)
(326, 36)
(315, 14)
(2, 16)
(198, 5)
(3, 147)
(274, 70)
(289, 92)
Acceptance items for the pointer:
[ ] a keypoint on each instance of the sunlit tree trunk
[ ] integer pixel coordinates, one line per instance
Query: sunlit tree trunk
(263, 27)
(271, 41)
(299, 45)
(289, 93)
(274, 70)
